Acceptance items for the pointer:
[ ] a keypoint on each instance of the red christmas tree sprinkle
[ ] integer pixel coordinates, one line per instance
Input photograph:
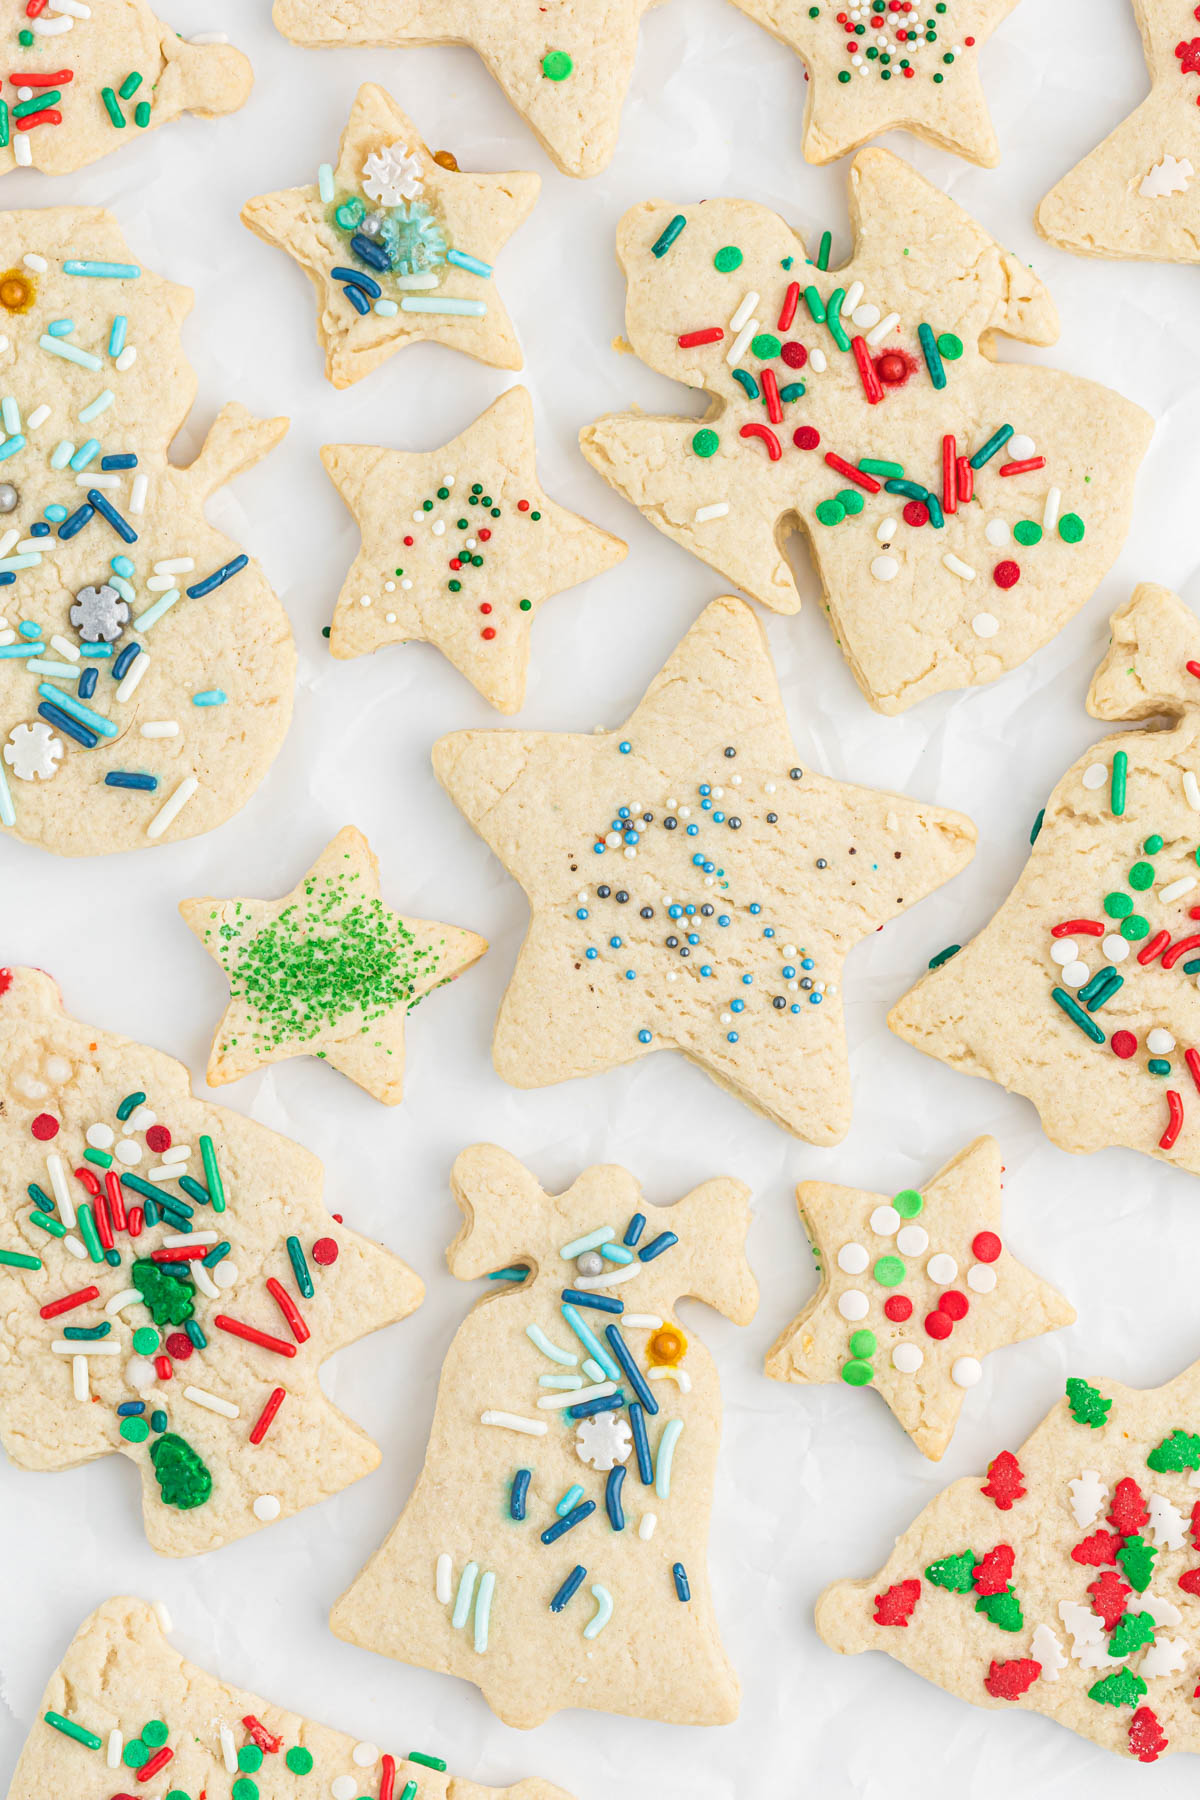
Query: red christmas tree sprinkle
(895, 1607)
(1097, 1550)
(1127, 1514)
(1004, 1482)
(1189, 1581)
(1147, 1740)
(1196, 1525)
(1009, 1680)
(993, 1571)
(1109, 1595)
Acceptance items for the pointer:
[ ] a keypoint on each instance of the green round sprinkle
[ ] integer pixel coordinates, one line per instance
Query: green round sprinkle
(158, 1420)
(832, 512)
(706, 443)
(244, 1789)
(1026, 531)
(844, 76)
(950, 347)
(1118, 906)
(25, 39)
(1141, 876)
(135, 1754)
(765, 346)
(850, 501)
(134, 1429)
(249, 1758)
(145, 1340)
(1070, 528)
(454, 586)
(1153, 844)
(1158, 1065)
(1134, 927)
(155, 1733)
(526, 605)
(889, 1271)
(728, 259)
(863, 1343)
(556, 65)
(299, 1760)
(857, 1373)
(177, 1794)
(908, 1203)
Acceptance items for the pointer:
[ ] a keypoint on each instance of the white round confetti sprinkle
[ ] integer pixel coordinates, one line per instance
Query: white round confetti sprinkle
(965, 1371)
(885, 568)
(1115, 947)
(1095, 775)
(364, 599)
(1020, 448)
(907, 1358)
(140, 1373)
(853, 1304)
(866, 316)
(128, 1152)
(985, 625)
(885, 1221)
(365, 1755)
(266, 1508)
(1075, 974)
(1064, 950)
(390, 617)
(852, 1259)
(941, 1269)
(997, 533)
(57, 1069)
(980, 1278)
(1159, 1042)
(225, 1273)
(343, 1787)
(912, 1240)
(100, 1137)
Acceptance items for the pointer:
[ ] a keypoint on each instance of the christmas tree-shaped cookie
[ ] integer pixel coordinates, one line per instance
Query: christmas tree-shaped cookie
(692, 886)
(567, 66)
(81, 80)
(959, 509)
(890, 65)
(146, 667)
(1138, 193)
(556, 1541)
(123, 1708)
(1066, 1580)
(916, 1289)
(170, 1284)
(1081, 992)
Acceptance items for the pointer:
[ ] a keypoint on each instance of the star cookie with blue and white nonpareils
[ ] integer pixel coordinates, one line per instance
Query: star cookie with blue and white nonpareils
(399, 244)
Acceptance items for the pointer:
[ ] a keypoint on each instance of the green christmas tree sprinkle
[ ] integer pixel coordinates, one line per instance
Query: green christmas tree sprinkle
(1181, 1450)
(169, 1299)
(183, 1478)
(1123, 1688)
(1088, 1405)
(954, 1572)
(1003, 1609)
(1132, 1631)
(1136, 1558)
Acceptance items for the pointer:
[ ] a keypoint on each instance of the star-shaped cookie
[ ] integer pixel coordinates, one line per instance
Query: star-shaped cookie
(326, 971)
(566, 65)
(460, 546)
(959, 509)
(691, 886)
(398, 245)
(890, 65)
(1138, 193)
(916, 1289)
(1080, 992)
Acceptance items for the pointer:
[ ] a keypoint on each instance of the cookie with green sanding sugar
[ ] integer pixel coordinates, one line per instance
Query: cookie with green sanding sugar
(1063, 1579)
(916, 1288)
(123, 1707)
(327, 970)
(1081, 993)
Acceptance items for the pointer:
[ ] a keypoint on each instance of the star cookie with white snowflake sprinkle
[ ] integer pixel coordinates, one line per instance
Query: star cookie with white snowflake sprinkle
(170, 1284)
(398, 245)
(890, 65)
(326, 971)
(566, 67)
(959, 509)
(1137, 194)
(691, 886)
(916, 1289)
(460, 546)
(1081, 993)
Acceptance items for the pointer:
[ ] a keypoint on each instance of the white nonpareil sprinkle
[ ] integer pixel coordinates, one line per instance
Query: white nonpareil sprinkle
(941, 1269)
(1159, 1041)
(1115, 947)
(1020, 448)
(885, 1221)
(852, 1259)
(343, 1787)
(1095, 775)
(1063, 950)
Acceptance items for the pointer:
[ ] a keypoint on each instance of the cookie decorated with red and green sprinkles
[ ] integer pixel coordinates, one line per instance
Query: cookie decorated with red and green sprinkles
(123, 1708)
(1137, 194)
(460, 546)
(556, 1541)
(1082, 992)
(1065, 1580)
(170, 1284)
(79, 80)
(959, 509)
(399, 244)
(327, 970)
(916, 1289)
(692, 886)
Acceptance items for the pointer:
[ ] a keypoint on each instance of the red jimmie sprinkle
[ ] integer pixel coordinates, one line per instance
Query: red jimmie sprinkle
(253, 1335)
(262, 1737)
(1180, 949)
(116, 1199)
(1193, 668)
(287, 1307)
(949, 474)
(966, 479)
(80, 1297)
(45, 1127)
(774, 447)
(1023, 468)
(770, 388)
(89, 1181)
(387, 1778)
(262, 1424)
(137, 1220)
(1174, 1120)
(851, 473)
(1192, 1059)
(1078, 928)
(1154, 947)
(866, 371)
(708, 334)
(104, 1229)
(179, 1253)
(153, 1764)
(787, 311)
(58, 79)
(49, 115)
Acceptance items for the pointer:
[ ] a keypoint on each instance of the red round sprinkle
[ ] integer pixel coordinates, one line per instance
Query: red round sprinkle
(1123, 1044)
(806, 437)
(409, 542)
(44, 1127)
(486, 607)
(985, 1246)
(484, 536)
(910, 71)
(180, 1346)
(455, 563)
(5, 980)
(325, 1251)
(954, 1304)
(898, 1307)
(522, 506)
(794, 355)
(158, 1139)
(916, 513)
(489, 631)
(969, 42)
(938, 1324)
(892, 368)
(1006, 574)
